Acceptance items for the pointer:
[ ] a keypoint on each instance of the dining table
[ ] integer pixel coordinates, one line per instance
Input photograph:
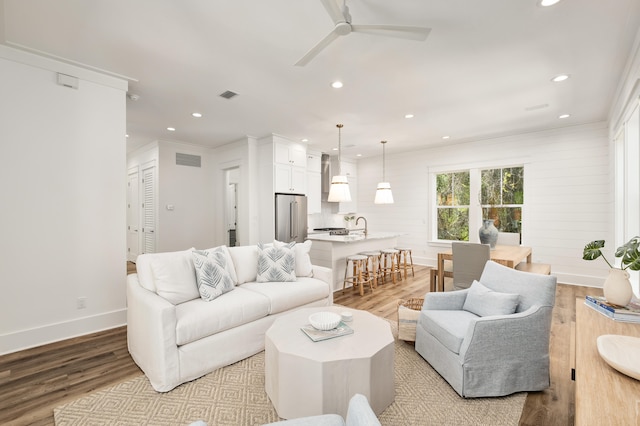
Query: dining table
(506, 255)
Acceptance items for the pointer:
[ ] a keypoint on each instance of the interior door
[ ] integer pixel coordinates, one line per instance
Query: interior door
(149, 210)
(133, 215)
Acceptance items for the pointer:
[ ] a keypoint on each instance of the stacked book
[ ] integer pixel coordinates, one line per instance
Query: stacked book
(629, 313)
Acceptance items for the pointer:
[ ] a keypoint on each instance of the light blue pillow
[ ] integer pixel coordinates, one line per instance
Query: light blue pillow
(212, 276)
(276, 264)
(485, 302)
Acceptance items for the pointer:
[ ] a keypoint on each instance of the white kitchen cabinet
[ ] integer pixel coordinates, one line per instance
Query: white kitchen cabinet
(314, 182)
(289, 179)
(291, 153)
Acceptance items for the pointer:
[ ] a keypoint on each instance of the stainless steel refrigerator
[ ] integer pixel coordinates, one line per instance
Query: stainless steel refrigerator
(291, 218)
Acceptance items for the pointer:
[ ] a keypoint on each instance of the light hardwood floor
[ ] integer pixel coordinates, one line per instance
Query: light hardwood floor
(33, 382)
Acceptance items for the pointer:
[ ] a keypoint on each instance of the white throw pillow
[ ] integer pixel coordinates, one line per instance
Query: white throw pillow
(211, 274)
(276, 264)
(303, 261)
(174, 277)
(245, 260)
(485, 302)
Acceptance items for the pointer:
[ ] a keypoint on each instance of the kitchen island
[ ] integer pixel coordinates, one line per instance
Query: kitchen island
(332, 250)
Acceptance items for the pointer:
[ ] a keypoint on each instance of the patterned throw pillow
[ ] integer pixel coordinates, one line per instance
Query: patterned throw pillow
(211, 274)
(276, 264)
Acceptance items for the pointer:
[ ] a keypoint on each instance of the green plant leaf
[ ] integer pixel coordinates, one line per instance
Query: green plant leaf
(592, 250)
(630, 254)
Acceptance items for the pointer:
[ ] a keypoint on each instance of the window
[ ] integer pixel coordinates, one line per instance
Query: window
(453, 206)
(500, 196)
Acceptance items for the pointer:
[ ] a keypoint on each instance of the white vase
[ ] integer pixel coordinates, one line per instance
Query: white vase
(617, 288)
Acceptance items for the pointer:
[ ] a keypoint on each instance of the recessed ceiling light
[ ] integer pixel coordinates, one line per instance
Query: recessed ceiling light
(560, 77)
(126, 136)
(408, 116)
(171, 129)
(336, 84)
(446, 137)
(196, 114)
(546, 3)
(305, 140)
(564, 116)
(334, 149)
(358, 155)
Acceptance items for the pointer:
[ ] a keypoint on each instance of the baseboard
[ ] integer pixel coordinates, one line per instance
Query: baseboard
(50, 333)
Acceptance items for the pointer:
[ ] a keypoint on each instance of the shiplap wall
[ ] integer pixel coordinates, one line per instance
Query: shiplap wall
(568, 194)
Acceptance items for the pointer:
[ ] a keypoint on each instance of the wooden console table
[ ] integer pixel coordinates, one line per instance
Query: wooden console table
(603, 395)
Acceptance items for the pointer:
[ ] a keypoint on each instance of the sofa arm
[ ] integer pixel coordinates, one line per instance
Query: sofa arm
(324, 274)
(524, 335)
(445, 301)
(151, 335)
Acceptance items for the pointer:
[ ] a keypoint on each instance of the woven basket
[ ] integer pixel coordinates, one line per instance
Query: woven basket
(408, 314)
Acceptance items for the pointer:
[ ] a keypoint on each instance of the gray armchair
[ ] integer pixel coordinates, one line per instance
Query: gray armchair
(491, 339)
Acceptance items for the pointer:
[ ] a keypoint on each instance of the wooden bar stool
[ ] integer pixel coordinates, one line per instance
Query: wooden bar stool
(359, 277)
(389, 265)
(405, 260)
(372, 265)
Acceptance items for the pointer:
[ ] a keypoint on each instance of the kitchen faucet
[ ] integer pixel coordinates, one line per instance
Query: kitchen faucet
(365, 224)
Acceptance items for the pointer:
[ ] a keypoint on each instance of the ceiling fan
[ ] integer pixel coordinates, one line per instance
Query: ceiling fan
(343, 26)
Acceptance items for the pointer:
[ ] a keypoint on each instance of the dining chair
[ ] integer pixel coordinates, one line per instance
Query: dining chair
(468, 262)
(508, 239)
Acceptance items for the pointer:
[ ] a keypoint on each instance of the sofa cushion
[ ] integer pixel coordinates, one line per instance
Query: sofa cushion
(283, 296)
(197, 319)
(212, 277)
(245, 261)
(230, 267)
(303, 260)
(174, 276)
(449, 327)
(144, 270)
(485, 302)
(276, 264)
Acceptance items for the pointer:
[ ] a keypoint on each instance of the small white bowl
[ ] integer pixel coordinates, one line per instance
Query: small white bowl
(346, 316)
(324, 320)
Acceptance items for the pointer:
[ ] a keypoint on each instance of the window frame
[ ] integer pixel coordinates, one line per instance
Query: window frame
(475, 208)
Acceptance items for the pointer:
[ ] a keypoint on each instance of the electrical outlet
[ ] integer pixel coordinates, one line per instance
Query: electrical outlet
(82, 302)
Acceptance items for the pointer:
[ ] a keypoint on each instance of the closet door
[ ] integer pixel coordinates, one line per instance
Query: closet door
(149, 209)
(133, 215)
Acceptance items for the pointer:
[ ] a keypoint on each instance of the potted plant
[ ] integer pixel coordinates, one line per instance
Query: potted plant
(349, 219)
(617, 288)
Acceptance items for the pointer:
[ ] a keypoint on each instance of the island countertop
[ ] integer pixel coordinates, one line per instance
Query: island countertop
(331, 251)
(352, 238)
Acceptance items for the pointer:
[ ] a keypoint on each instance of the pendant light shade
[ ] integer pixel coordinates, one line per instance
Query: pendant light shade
(383, 192)
(339, 190)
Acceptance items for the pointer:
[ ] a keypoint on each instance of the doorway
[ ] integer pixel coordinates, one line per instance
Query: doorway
(231, 209)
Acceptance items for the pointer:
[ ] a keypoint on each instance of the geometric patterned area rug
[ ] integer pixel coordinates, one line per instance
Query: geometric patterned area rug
(235, 395)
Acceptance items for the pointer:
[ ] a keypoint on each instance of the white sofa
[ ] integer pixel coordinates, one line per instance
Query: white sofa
(175, 336)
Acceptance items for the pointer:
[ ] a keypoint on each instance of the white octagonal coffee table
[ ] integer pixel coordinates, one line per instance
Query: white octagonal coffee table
(306, 378)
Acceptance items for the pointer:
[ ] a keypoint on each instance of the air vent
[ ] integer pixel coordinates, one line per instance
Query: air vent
(228, 94)
(188, 160)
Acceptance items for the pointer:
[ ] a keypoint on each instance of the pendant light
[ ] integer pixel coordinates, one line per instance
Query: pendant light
(383, 193)
(339, 190)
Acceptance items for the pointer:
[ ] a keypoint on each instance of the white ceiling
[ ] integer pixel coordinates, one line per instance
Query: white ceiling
(484, 70)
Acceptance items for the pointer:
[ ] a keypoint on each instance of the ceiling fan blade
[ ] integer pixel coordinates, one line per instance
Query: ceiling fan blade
(411, 33)
(333, 10)
(317, 49)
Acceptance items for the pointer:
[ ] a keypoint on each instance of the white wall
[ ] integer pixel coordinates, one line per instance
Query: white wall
(62, 186)
(568, 196)
(190, 191)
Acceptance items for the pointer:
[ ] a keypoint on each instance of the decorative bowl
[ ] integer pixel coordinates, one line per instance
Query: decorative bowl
(324, 320)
